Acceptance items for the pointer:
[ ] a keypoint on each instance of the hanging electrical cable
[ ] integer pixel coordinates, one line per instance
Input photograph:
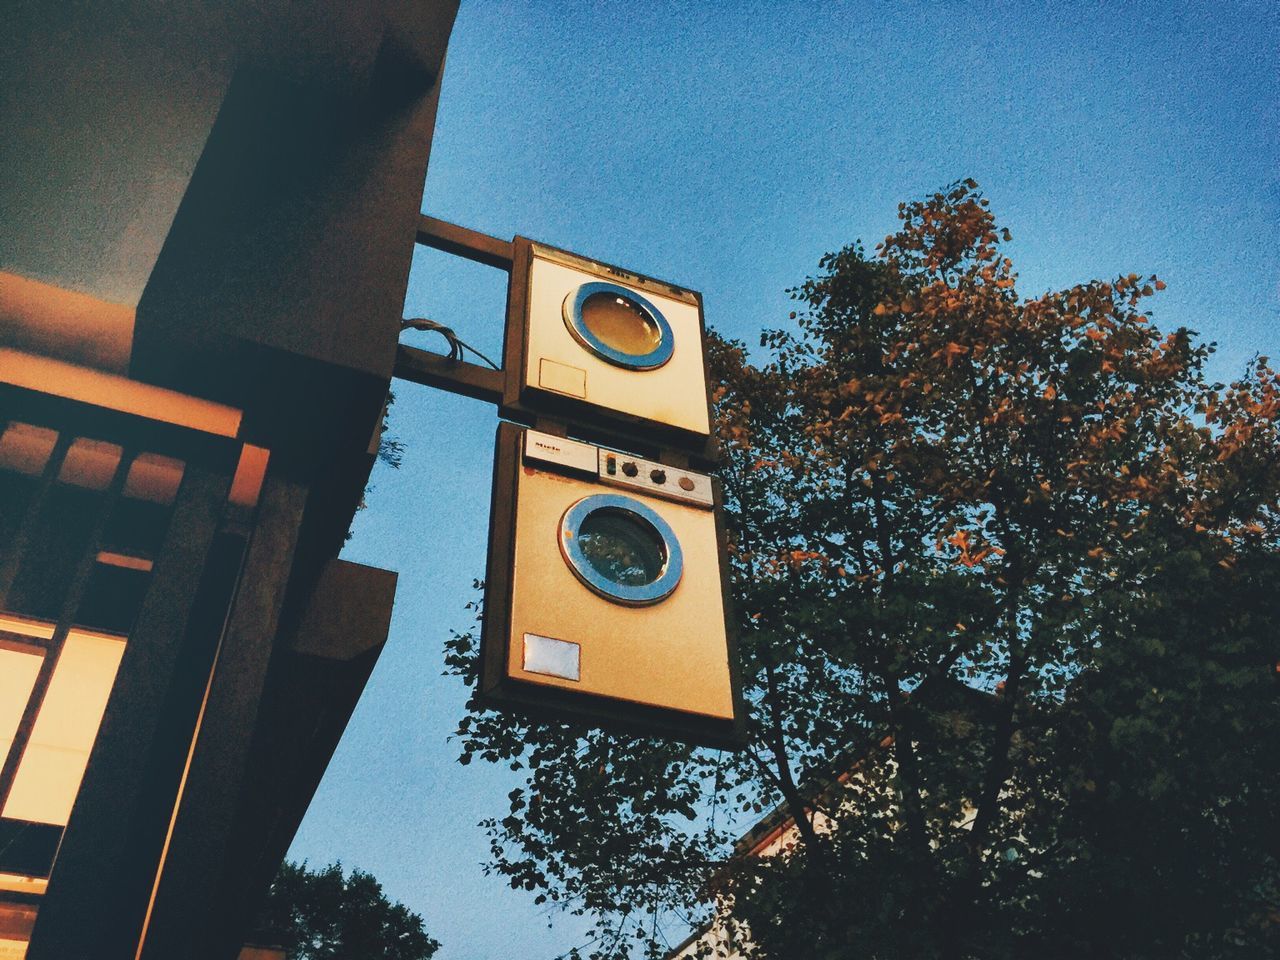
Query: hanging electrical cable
(456, 345)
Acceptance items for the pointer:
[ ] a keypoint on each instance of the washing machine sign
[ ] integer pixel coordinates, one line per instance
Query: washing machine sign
(618, 326)
(606, 598)
(621, 549)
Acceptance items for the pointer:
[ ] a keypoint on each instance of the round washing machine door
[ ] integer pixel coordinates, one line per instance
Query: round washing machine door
(621, 549)
(618, 325)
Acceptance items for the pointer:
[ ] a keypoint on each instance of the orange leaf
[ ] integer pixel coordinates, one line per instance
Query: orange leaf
(953, 350)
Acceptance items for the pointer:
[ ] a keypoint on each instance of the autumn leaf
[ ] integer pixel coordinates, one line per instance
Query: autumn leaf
(951, 351)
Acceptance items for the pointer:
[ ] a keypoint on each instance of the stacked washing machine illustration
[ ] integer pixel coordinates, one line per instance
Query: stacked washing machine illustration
(606, 595)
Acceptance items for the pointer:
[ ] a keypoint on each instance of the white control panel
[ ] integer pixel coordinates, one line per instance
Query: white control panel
(656, 479)
(620, 469)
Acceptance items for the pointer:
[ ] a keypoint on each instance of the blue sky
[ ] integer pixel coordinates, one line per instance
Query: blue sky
(726, 147)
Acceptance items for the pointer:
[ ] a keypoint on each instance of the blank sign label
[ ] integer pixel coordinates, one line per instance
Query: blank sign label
(562, 378)
(555, 658)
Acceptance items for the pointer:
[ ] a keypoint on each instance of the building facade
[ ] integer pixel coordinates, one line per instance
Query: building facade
(207, 219)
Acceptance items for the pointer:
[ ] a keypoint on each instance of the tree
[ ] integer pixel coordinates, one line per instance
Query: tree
(1010, 562)
(328, 915)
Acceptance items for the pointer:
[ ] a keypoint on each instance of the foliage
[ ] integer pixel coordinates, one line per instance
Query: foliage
(1003, 572)
(390, 452)
(328, 915)
(390, 448)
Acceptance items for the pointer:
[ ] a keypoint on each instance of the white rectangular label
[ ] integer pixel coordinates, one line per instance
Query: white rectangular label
(560, 451)
(555, 658)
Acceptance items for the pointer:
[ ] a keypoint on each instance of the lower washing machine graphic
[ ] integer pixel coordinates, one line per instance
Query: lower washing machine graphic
(605, 596)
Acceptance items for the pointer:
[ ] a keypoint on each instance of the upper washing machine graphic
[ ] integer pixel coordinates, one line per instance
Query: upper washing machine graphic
(604, 345)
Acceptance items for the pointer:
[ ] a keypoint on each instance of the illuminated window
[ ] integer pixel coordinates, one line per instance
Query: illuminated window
(18, 670)
(81, 523)
(48, 778)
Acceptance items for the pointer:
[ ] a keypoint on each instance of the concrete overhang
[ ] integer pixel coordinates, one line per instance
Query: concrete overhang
(106, 107)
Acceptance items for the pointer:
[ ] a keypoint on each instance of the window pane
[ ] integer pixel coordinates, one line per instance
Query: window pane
(48, 779)
(113, 596)
(18, 669)
(27, 851)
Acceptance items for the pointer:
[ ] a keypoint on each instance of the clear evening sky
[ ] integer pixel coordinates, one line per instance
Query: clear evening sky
(726, 146)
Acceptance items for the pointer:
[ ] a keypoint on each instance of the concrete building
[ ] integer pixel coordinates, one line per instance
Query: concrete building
(206, 223)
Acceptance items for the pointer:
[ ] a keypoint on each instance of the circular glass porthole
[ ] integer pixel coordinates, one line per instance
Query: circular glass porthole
(618, 325)
(621, 549)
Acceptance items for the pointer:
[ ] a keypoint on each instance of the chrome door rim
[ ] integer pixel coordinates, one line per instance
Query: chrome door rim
(640, 595)
(573, 319)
